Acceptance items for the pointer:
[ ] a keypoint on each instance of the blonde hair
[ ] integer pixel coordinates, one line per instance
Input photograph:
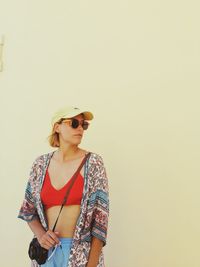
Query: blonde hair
(53, 138)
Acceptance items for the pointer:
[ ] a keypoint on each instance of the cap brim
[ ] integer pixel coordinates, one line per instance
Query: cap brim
(87, 115)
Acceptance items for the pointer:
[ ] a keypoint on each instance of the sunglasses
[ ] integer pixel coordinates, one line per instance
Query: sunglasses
(74, 123)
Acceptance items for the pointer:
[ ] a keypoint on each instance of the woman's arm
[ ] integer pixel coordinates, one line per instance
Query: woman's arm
(99, 224)
(100, 198)
(36, 228)
(95, 250)
(28, 212)
(47, 239)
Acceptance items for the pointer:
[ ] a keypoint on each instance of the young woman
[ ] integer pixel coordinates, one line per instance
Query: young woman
(81, 230)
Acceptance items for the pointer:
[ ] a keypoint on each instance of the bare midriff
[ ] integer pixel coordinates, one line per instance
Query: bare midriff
(67, 220)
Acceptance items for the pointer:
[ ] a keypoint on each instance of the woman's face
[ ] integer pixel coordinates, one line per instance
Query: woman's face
(68, 134)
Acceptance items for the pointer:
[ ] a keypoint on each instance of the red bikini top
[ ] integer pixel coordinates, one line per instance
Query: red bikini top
(53, 197)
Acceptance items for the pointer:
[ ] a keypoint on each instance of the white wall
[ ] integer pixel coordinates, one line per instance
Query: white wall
(135, 64)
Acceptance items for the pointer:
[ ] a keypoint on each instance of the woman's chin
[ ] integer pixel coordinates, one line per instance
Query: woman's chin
(77, 142)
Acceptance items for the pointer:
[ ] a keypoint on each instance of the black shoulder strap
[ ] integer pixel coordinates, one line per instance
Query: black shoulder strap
(71, 184)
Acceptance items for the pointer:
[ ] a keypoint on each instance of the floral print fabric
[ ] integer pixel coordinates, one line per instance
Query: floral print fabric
(94, 212)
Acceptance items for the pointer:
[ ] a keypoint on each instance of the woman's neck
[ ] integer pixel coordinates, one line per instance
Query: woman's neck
(68, 153)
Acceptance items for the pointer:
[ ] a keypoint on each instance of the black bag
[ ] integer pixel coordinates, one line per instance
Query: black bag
(36, 251)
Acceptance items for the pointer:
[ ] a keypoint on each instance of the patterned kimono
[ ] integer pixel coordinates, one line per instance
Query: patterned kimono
(94, 212)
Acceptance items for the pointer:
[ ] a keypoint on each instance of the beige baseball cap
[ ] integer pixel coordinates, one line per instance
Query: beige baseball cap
(69, 112)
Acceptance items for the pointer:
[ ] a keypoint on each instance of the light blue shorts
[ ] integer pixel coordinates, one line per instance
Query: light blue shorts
(60, 255)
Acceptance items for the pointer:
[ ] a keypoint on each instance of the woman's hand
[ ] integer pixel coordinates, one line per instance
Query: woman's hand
(48, 239)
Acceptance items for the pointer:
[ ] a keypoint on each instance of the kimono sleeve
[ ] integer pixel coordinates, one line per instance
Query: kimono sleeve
(28, 210)
(101, 206)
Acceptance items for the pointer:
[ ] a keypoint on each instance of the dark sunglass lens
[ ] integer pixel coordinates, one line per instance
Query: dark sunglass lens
(75, 123)
(85, 125)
